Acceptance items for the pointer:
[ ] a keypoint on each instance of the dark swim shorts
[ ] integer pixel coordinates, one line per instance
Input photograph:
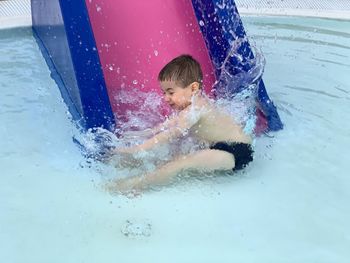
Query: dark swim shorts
(242, 152)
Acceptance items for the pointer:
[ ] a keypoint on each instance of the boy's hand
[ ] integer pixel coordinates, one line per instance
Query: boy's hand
(128, 160)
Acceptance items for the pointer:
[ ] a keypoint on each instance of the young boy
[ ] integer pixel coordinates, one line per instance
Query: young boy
(230, 148)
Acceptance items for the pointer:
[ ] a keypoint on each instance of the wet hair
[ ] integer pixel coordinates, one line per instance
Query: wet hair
(183, 70)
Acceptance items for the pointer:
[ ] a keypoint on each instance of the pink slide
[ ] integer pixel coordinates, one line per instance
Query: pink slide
(136, 40)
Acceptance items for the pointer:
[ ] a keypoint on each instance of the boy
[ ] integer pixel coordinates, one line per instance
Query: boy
(230, 148)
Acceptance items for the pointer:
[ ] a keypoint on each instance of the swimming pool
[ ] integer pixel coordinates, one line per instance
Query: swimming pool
(290, 205)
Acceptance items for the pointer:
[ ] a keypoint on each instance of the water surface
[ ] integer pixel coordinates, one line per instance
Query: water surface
(289, 205)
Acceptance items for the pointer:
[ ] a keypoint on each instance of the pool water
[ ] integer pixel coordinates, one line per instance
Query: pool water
(290, 205)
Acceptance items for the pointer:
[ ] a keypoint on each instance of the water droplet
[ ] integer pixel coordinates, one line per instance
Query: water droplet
(135, 81)
(201, 23)
(156, 53)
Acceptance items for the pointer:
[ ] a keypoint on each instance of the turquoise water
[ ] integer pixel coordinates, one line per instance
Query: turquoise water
(289, 205)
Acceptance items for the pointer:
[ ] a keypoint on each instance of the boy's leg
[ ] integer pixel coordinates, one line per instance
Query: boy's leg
(205, 160)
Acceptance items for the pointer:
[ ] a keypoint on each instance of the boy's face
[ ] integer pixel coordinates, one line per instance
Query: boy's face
(177, 97)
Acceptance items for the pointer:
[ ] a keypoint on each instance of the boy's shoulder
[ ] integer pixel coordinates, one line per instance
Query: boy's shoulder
(193, 113)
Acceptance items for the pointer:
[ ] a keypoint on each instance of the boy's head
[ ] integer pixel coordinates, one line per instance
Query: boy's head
(183, 70)
(180, 79)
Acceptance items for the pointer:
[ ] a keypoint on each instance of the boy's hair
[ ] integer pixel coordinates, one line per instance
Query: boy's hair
(183, 70)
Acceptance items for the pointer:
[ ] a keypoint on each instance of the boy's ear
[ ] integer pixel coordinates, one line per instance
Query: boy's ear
(195, 86)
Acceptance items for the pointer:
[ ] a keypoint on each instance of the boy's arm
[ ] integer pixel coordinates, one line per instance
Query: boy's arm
(176, 127)
(149, 131)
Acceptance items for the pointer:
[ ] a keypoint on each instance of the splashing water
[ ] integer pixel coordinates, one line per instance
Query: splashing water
(235, 91)
(144, 110)
(233, 80)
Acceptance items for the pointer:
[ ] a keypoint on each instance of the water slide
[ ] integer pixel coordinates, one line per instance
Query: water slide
(97, 49)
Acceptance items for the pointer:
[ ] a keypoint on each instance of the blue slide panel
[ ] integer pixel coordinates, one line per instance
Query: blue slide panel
(221, 26)
(64, 33)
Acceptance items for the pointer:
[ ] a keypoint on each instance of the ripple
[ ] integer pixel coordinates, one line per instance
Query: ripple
(342, 90)
(318, 92)
(331, 62)
(302, 40)
(309, 29)
(12, 111)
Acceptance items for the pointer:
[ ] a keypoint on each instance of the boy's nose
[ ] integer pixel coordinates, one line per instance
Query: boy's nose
(167, 99)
